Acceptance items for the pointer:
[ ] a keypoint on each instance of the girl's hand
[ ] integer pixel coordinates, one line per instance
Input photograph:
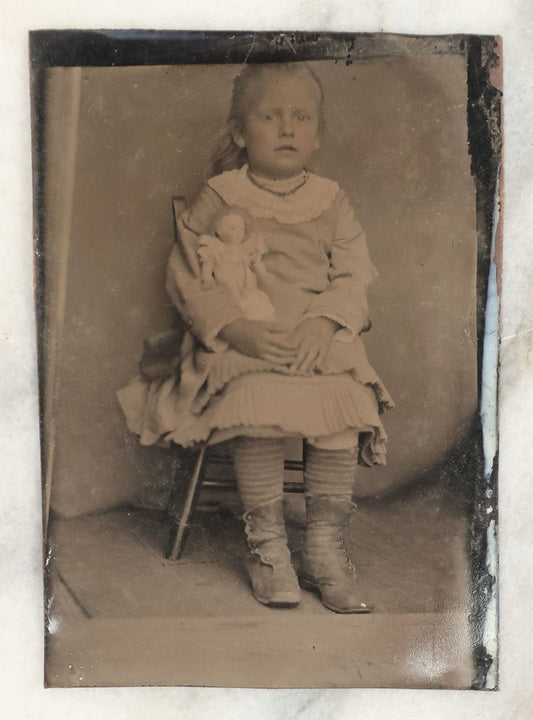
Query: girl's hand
(209, 283)
(260, 269)
(264, 340)
(313, 338)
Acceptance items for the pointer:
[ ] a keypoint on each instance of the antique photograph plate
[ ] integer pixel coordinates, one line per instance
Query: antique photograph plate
(145, 574)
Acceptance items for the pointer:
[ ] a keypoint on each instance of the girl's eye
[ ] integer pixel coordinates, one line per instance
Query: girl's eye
(268, 116)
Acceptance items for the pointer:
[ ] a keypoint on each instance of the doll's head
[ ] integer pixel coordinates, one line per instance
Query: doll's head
(275, 120)
(232, 225)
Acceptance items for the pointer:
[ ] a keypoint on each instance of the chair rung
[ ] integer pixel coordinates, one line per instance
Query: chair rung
(293, 487)
(296, 465)
(229, 485)
(219, 484)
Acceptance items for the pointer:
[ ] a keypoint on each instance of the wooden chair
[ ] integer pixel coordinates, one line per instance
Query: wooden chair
(191, 475)
(192, 470)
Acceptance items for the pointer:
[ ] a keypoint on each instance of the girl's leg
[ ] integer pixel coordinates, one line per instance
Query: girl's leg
(330, 472)
(258, 466)
(329, 481)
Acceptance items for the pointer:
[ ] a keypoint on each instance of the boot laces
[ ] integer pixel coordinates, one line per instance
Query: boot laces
(342, 547)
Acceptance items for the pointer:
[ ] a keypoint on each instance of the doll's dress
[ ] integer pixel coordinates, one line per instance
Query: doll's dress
(232, 268)
(317, 265)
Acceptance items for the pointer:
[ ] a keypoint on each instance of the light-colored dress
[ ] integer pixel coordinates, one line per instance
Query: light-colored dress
(317, 265)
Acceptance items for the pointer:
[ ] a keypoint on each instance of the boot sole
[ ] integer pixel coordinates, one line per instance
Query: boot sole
(362, 609)
(277, 603)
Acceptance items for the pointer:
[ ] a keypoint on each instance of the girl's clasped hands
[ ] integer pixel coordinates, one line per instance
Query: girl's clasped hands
(302, 351)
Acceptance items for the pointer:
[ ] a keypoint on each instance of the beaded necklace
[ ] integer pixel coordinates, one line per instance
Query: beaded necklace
(280, 193)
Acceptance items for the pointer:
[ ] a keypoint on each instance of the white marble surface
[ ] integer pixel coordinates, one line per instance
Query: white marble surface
(21, 692)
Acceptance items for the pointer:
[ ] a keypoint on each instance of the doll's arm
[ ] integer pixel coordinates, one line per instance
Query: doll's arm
(207, 262)
(204, 310)
(206, 274)
(256, 247)
(350, 272)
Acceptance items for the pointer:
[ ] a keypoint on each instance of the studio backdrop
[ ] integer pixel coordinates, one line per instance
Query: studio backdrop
(119, 142)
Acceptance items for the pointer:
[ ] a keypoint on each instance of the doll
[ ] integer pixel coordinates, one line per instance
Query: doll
(232, 257)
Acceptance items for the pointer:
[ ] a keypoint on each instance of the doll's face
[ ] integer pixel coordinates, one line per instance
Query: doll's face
(231, 229)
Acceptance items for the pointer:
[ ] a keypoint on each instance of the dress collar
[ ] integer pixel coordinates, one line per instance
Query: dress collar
(298, 200)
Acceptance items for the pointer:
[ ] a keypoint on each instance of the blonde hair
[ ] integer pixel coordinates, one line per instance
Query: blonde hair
(228, 155)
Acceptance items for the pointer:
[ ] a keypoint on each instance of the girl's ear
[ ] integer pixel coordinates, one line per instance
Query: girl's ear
(237, 134)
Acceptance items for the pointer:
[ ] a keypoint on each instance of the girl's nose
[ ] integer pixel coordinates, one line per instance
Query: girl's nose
(286, 124)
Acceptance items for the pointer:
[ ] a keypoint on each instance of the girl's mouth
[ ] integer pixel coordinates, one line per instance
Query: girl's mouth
(286, 147)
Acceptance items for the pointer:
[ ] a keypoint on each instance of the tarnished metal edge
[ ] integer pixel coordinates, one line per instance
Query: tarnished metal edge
(485, 144)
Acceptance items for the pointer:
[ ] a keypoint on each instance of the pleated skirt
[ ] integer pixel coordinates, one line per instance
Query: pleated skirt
(262, 404)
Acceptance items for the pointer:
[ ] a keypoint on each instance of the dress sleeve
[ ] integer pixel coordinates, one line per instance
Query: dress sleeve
(205, 310)
(350, 273)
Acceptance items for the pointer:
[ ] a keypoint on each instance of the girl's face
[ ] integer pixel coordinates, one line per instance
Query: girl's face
(280, 128)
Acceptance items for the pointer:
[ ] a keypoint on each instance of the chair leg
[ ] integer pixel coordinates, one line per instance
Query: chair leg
(183, 498)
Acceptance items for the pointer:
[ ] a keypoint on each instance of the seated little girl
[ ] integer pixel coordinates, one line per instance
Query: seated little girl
(256, 382)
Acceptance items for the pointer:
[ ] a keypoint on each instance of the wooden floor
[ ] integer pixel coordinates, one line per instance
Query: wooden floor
(120, 614)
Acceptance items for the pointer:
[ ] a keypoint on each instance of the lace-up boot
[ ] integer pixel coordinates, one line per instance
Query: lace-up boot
(326, 568)
(269, 566)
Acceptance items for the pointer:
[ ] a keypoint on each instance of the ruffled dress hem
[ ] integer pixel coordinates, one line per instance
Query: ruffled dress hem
(259, 404)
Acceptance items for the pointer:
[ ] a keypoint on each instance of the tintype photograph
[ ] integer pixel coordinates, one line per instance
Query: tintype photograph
(267, 299)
